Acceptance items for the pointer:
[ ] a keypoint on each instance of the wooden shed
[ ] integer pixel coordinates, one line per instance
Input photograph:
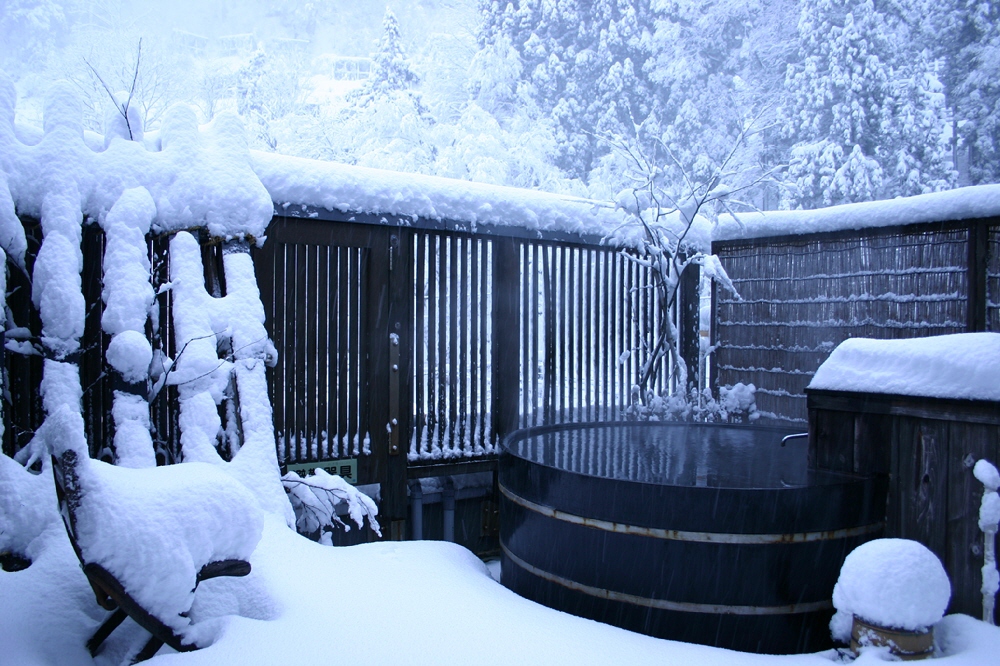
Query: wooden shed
(927, 445)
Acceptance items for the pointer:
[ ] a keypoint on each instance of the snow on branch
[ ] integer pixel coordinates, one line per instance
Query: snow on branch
(318, 498)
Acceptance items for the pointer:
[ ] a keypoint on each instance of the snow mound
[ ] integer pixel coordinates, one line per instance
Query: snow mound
(964, 365)
(893, 583)
(155, 528)
(27, 505)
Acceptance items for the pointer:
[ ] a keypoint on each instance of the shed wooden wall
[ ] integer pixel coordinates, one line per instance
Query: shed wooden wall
(928, 448)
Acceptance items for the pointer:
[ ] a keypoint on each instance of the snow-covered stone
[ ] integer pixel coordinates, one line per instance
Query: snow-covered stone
(892, 583)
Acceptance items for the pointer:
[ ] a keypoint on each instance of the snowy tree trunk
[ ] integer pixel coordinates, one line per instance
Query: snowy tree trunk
(989, 519)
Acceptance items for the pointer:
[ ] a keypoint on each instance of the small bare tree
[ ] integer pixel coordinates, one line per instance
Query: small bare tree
(670, 207)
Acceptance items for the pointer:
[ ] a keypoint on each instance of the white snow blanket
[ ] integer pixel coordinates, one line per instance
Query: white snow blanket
(306, 604)
(965, 365)
(963, 203)
(333, 186)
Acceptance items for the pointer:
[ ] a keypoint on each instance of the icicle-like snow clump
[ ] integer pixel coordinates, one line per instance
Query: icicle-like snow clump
(989, 521)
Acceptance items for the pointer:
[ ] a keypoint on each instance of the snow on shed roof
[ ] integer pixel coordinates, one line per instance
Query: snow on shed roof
(963, 203)
(353, 189)
(964, 365)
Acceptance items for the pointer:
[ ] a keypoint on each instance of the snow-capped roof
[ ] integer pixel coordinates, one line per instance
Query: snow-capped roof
(964, 365)
(964, 203)
(353, 189)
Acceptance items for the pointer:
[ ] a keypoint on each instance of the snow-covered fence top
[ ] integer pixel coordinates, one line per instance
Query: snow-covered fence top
(964, 365)
(299, 182)
(196, 176)
(964, 203)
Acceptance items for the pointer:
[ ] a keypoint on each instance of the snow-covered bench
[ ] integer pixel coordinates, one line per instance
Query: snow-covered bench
(146, 538)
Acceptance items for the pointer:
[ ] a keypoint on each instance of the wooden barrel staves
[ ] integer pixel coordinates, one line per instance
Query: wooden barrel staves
(703, 533)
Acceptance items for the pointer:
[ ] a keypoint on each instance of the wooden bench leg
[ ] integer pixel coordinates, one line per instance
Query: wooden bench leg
(148, 650)
(105, 630)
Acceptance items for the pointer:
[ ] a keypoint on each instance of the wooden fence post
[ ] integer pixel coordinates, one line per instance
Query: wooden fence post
(506, 364)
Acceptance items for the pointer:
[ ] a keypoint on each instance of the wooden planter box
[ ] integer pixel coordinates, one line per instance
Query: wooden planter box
(928, 447)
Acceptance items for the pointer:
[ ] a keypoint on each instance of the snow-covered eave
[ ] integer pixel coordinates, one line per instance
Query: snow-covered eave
(313, 189)
(964, 203)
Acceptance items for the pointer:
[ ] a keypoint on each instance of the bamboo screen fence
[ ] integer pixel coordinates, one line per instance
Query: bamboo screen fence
(803, 295)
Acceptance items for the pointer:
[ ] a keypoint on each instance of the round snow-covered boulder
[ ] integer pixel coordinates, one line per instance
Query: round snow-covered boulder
(892, 583)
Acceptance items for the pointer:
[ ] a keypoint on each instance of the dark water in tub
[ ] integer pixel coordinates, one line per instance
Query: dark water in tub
(674, 454)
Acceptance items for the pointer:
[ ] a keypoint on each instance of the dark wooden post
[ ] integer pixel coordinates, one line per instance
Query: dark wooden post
(689, 305)
(506, 366)
(977, 311)
(400, 347)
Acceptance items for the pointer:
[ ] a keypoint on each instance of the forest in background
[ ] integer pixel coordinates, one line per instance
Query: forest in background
(836, 100)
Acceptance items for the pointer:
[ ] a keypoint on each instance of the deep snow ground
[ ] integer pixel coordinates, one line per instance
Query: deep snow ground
(383, 603)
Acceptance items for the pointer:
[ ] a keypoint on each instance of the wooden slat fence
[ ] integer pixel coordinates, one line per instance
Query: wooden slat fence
(803, 295)
(582, 307)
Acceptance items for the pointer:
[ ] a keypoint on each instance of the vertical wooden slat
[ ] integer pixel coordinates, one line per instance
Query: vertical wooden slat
(485, 347)
(562, 402)
(589, 329)
(573, 289)
(321, 353)
(527, 379)
(361, 310)
(548, 265)
(475, 357)
(420, 339)
(345, 383)
(433, 341)
(299, 350)
(307, 346)
(462, 341)
(287, 349)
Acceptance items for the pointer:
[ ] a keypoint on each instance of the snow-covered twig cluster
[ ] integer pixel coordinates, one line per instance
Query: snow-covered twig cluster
(318, 498)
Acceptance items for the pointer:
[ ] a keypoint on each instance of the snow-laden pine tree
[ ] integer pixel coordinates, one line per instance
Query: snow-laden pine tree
(501, 135)
(266, 92)
(838, 104)
(863, 114)
(966, 38)
(382, 124)
(583, 65)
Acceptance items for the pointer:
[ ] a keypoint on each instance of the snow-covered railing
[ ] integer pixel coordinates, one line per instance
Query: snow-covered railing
(135, 186)
(536, 329)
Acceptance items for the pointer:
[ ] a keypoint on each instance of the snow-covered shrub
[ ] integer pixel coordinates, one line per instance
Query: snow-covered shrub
(321, 498)
(735, 404)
